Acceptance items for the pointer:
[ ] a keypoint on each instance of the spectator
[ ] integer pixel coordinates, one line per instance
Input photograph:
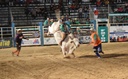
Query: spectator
(78, 30)
(66, 17)
(114, 39)
(115, 10)
(106, 2)
(42, 11)
(47, 22)
(15, 2)
(36, 1)
(76, 21)
(96, 12)
(33, 13)
(87, 21)
(21, 2)
(72, 7)
(98, 3)
(120, 9)
(27, 11)
(80, 11)
(28, 2)
(118, 39)
(118, 1)
(6, 2)
(45, 13)
(93, 1)
(126, 8)
(10, 2)
(85, 10)
(38, 11)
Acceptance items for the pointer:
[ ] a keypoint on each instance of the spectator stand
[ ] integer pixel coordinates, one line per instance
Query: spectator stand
(27, 15)
(4, 16)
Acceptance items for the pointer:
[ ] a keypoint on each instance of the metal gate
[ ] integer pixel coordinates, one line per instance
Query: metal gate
(6, 37)
(32, 33)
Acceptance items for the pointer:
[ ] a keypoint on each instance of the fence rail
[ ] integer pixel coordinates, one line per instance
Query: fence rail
(6, 38)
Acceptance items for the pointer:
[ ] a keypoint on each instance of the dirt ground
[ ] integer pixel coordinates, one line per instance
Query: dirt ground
(47, 62)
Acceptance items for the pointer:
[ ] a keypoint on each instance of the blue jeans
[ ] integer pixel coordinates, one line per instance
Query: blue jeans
(98, 49)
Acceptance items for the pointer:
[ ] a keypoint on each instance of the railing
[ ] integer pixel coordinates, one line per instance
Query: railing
(118, 18)
(5, 37)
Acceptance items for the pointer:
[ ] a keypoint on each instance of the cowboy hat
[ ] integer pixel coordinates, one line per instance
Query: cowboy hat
(91, 29)
(19, 30)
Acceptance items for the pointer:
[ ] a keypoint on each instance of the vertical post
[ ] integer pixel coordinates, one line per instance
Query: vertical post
(2, 39)
(1, 33)
(41, 33)
(108, 11)
(108, 24)
(109, 29)
(13, 33)
(97, 25)
(94, 22)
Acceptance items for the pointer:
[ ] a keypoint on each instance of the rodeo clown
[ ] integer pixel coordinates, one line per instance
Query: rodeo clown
(96, 42)
(18, 41)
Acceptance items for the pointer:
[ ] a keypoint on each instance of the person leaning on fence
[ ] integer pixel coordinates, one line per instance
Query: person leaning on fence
(96, 42)
(96, 13)
(47, 22)
(18, 41)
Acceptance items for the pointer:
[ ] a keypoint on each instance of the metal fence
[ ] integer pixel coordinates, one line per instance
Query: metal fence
(6, 37)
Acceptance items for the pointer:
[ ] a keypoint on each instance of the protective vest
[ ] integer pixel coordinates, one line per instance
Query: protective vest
(97, 40)
(64, 28)
(45, 22)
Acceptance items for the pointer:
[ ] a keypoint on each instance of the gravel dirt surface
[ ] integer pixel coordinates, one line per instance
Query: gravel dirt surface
(47, 62)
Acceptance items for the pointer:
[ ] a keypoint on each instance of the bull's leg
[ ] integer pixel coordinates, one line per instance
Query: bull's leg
(71, 51)
(64, 52)
(63, 35)
(73, 55)
(48, 33)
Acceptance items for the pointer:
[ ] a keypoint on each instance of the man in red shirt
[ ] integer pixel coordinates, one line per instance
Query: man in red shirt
(96, 12)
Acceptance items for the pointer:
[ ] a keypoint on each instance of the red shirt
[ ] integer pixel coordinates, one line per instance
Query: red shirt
(96, 12)
(98, 3)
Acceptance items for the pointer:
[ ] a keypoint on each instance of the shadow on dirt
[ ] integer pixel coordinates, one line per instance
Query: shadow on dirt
(106, 56)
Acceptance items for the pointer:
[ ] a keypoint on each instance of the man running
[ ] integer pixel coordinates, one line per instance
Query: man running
(96, 42)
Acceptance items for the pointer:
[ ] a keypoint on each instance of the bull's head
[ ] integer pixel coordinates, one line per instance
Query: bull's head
(74, 40)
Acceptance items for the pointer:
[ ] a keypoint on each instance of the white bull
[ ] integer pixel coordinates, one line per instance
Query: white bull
(69, 44)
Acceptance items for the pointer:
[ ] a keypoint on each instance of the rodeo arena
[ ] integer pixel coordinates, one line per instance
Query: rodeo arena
(63, 39)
